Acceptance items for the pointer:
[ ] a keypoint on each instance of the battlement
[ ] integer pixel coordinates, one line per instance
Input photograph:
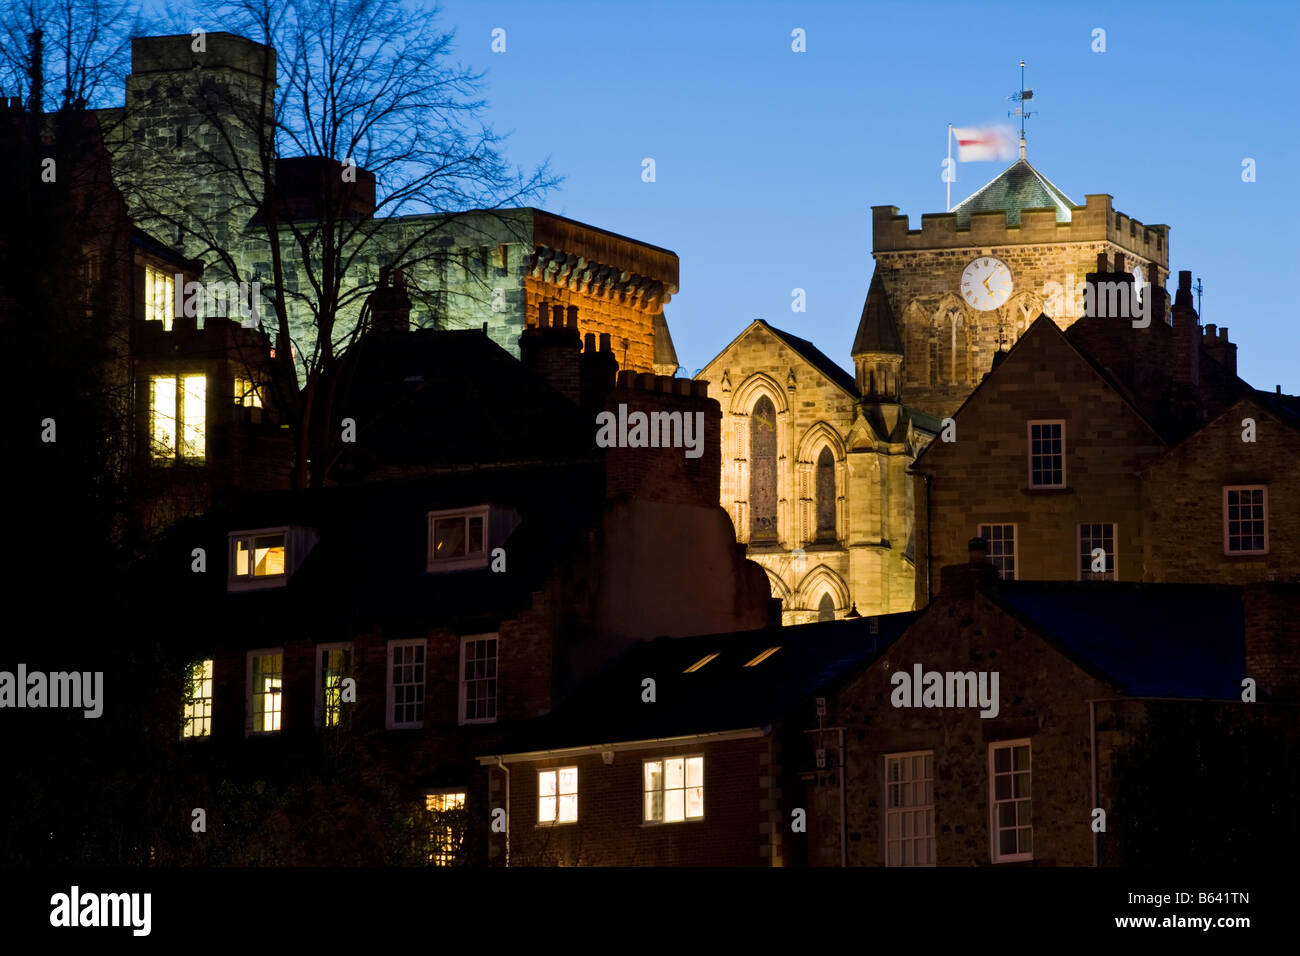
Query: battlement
(629, 381)
(173, 54)
(1093, 222)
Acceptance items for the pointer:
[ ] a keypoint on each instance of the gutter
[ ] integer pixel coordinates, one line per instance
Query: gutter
(500, 760)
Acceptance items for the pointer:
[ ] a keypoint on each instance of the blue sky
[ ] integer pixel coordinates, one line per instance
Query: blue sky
(768, 161)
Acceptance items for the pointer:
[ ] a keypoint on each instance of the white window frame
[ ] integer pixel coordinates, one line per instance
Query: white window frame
(555, 821)
(994, 803)
(1226, 536)
(1029, 452)
(389, 721)
(1113, 556)
(1015, 545)
(478, 559)
(320, 676)
(646, 819)
(249, 695)
(203, 718)
(252, 582)
(462, 683)
(904, 811)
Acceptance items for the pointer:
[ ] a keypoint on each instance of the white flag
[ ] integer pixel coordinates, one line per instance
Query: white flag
(981, 143)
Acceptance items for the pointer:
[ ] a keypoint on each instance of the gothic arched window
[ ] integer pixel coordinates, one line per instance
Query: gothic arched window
(826, 608)
(825, 496)
(762, 473)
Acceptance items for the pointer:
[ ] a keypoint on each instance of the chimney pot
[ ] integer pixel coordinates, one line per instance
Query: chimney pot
(979, 550)
(557, 316)
(1223, 333)
(1103, 264)
(541, 314)
(1209, 331)
(1184, 280)
(572, 321)
(589, 342)
(1119, 262)
(605, 345)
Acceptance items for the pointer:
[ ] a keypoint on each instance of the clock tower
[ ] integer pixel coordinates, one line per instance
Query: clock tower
(969, 282)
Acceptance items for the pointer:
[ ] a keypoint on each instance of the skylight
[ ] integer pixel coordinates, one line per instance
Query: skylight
(764, 656)
(700, 663)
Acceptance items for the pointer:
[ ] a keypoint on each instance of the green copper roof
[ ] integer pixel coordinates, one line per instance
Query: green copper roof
(1017, 187)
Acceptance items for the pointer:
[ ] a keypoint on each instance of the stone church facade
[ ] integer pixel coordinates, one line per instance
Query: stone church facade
(817, 463)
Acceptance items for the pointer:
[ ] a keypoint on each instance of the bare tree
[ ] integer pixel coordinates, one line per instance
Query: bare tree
(358, 89)
(83, 50)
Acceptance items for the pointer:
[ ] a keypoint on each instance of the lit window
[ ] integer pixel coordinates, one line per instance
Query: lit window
(1047, 454)
(259, 557)
(405, 684)
(333, 666)
(458, 539)
(265, 691)
(763, 656)
(198, 701)
(447, 831)
(700, 663)
(1245, 519)
(159, 297)
(1010, 823)
(478, 679)
(1001, 539)
(1091, 538)
(674, 789)
(178, 416)
(909, 809)
(557, 795)
(247, 394)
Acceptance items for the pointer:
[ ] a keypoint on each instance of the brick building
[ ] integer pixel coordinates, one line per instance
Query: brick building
(467, 572)
(1095, 684)
(1115, 451)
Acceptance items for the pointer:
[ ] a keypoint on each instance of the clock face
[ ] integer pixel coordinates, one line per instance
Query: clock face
(986, 283)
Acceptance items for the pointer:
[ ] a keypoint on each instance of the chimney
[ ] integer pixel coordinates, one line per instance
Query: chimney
(1219, 348)
(390, 306)
(978, 573)
(1185, 364)
(553, 351)
(1272, 626)
(598, 371)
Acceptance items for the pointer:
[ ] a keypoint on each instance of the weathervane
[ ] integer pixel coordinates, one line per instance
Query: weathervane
(1019, 97)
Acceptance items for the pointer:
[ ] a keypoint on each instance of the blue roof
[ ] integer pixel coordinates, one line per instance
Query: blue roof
(1152, 640)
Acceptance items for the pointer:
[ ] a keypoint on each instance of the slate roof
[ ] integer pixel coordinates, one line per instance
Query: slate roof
(816, 358)
(877, 328)
(1018, 187)
(1152, 640)
(722, 695)
(665, 354)
(439, 399)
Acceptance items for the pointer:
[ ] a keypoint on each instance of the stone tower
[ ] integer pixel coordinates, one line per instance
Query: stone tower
(1047, 242)
(198, 112)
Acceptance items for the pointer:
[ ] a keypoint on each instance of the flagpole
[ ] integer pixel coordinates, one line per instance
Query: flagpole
(948, 172)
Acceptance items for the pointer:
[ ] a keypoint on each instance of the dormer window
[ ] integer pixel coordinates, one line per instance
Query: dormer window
(458, 540)
(266, 558)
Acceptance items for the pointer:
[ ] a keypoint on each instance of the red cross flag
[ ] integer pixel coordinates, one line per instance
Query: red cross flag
(982, 143)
